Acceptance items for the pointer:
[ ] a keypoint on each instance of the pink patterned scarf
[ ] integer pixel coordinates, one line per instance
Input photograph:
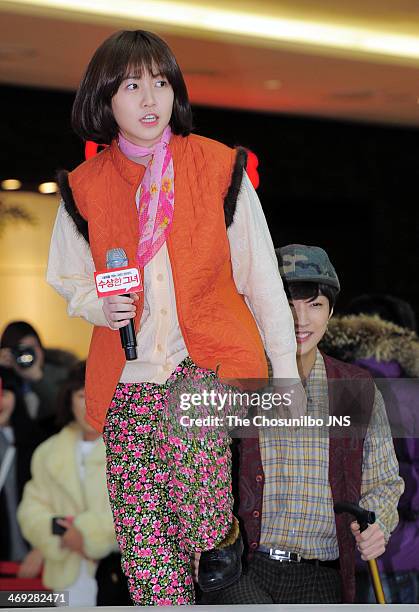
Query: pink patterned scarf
(157, 195)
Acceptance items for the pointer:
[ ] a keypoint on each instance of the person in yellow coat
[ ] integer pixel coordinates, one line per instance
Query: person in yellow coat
(68, 482)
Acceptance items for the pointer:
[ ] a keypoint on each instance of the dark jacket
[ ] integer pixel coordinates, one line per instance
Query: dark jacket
(27, 437)
(56, 368)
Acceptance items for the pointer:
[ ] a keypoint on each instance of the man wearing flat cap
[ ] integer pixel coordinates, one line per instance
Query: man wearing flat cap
(289, 478)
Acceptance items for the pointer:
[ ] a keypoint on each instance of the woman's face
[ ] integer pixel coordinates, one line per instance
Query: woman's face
(78, 405)
(142, 108)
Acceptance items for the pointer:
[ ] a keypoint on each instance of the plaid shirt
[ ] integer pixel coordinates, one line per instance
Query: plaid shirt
(297, 513)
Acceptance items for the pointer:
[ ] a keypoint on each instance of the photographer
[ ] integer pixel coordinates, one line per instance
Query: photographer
(39, 372)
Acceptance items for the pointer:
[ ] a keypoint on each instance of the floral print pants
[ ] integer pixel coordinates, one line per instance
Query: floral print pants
(170, 492)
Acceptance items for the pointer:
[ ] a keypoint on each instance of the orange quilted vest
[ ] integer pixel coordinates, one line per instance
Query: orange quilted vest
(216, 324)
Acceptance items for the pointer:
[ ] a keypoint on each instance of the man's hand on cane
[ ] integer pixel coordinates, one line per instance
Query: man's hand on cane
(370, 543)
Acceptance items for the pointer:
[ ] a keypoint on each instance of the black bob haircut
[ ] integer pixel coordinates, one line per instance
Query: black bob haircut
(74, 382)
(309, 290)
(119, 55)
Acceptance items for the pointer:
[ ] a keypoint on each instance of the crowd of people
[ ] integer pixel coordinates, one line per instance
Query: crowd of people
(67, 483)
(105, 492)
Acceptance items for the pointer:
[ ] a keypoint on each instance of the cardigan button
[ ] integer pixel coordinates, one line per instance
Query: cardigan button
(254, 545)
(258, 478)
(256, 513)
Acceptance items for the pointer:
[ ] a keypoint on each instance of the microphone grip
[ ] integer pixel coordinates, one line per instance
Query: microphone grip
(129, 340)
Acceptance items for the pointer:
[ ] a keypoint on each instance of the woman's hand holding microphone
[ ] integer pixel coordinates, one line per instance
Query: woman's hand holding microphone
(119, 309)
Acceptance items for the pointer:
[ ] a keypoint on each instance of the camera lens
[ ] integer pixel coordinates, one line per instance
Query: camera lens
(24, 356)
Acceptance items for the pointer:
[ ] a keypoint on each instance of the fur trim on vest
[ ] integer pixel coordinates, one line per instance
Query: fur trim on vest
(230, 200)
(355, 337)
(70, 205)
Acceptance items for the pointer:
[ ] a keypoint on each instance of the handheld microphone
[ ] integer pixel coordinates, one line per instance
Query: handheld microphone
(117, 258)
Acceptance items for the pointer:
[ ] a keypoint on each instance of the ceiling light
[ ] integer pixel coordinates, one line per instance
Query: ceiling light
(48, 187)
(11, 184)
(208, 18)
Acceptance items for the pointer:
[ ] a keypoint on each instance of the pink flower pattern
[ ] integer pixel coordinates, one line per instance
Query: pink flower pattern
(170, 493)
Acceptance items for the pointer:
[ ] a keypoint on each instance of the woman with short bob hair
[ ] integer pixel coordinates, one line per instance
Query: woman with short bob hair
(181, 208)
(125, 53)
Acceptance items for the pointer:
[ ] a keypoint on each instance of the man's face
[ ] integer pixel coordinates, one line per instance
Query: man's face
(310, 321)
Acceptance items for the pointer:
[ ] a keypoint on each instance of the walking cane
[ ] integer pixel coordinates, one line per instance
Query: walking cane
(364, 518)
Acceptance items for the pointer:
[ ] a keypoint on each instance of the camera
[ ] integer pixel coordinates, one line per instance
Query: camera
(24, 356)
